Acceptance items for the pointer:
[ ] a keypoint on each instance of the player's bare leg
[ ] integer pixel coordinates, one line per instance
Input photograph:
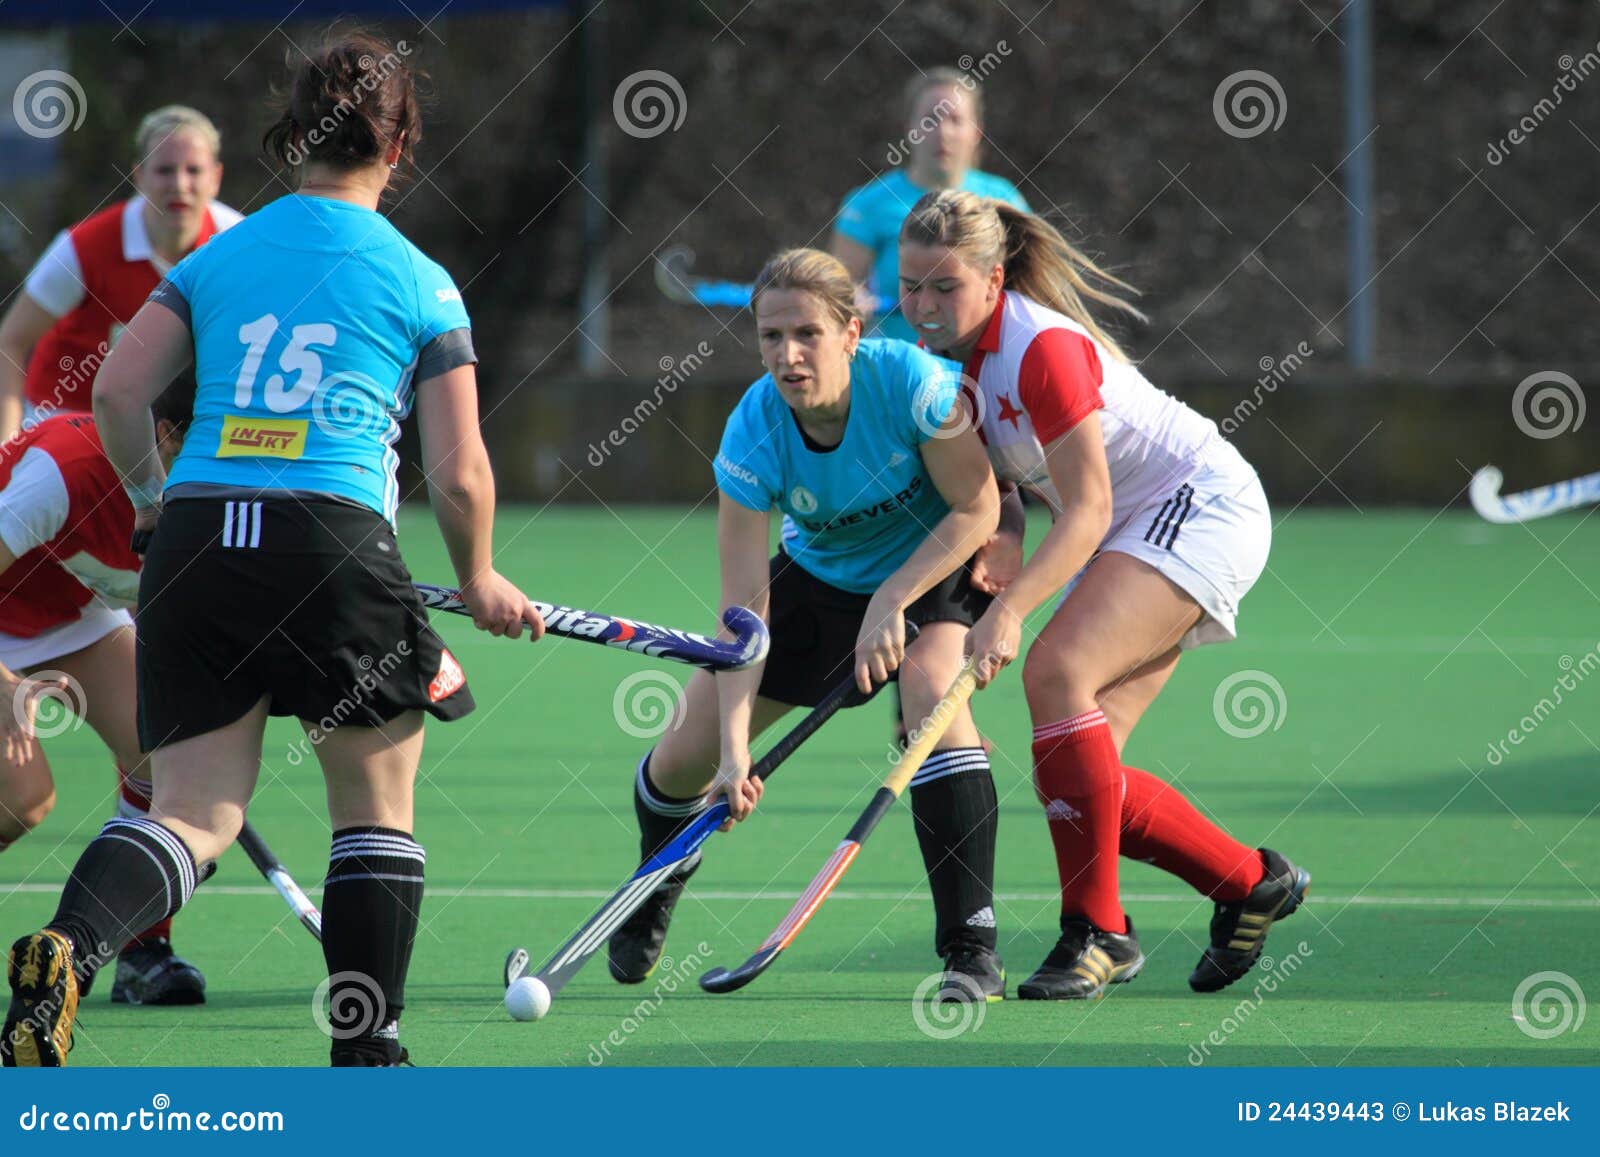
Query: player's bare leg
(372, 899)
(954, 808)
(669, 790)
(148, 971)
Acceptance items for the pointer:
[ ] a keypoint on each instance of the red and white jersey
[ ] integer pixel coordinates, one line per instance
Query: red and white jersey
(93, 279)
(1039, 374)
(64, 515)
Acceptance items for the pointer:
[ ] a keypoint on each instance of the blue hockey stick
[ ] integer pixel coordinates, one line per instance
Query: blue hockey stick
(625, 901)
(1530, 504)
(749, 645)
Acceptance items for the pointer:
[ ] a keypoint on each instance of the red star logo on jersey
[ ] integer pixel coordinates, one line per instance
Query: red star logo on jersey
(1009, 413)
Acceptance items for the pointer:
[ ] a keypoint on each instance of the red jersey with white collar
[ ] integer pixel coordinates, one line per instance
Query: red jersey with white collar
(93, 279)
(1039, 374)
(64, 515)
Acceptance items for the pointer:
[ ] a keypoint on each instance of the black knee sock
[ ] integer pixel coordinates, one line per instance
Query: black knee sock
(134, 873)
(953, 805)
(370, 903)
(662, 816)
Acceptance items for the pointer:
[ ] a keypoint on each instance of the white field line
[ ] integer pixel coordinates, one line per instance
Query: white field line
(1366, 899)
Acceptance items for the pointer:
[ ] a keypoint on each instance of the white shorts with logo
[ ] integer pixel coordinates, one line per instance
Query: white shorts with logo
(1210, 536)
(96, 622)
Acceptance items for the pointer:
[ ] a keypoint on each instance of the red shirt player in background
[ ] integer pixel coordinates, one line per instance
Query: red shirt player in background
(96, 275)
(67, 579)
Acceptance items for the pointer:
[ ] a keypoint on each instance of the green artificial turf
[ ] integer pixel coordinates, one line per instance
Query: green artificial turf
(1405, 644)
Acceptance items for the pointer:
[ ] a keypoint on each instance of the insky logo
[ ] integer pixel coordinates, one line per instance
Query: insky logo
(257, 438)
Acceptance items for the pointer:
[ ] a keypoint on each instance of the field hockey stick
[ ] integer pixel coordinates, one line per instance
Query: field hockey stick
(586, 941)
(678, 284)
(1529, 504)
(749, 645)
(919, 747)
(278, 876)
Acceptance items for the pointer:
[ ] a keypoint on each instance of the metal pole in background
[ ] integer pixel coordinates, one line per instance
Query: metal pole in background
(594, 312)
(1361, 259)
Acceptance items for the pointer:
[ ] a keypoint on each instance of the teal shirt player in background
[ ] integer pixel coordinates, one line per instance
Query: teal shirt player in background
(941, 141)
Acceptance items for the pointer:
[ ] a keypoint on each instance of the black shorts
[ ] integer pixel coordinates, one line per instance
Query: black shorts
(814, 627)
(308, 602)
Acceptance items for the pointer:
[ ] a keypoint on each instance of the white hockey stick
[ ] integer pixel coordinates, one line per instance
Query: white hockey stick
(1529, 504)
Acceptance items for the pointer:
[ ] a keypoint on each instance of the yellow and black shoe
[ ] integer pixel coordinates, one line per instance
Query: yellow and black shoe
(972, 973)
(44, 1002)
(635, 948)
(1084, 963)
(1239, 927)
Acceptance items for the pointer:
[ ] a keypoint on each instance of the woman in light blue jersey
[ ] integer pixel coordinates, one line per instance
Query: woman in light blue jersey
(866, 450)
(273, 584)
(943, 108)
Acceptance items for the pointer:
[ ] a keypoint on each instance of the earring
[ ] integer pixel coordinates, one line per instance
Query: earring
(396, 165)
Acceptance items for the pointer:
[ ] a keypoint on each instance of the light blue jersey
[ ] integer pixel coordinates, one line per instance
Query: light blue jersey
(872, 215)
(309, 318)
(855, 511)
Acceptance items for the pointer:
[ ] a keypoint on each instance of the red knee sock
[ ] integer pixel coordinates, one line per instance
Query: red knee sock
(135, 795)
(1161, 827)
(1079, 778)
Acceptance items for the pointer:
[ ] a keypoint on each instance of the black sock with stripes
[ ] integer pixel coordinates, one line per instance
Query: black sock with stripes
(954, 807)
(370, 903)
(134, 873)
(662, 816)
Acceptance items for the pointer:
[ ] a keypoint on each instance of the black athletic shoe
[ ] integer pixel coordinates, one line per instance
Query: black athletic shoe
(1084, 962)
(635, 948)
(971, 973)
(152, 973)
(1239, 927)
(380, 1050)
(44, 1002)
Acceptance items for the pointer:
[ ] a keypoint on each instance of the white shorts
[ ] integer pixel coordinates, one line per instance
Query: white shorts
(1211, 538)
(96, 622)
